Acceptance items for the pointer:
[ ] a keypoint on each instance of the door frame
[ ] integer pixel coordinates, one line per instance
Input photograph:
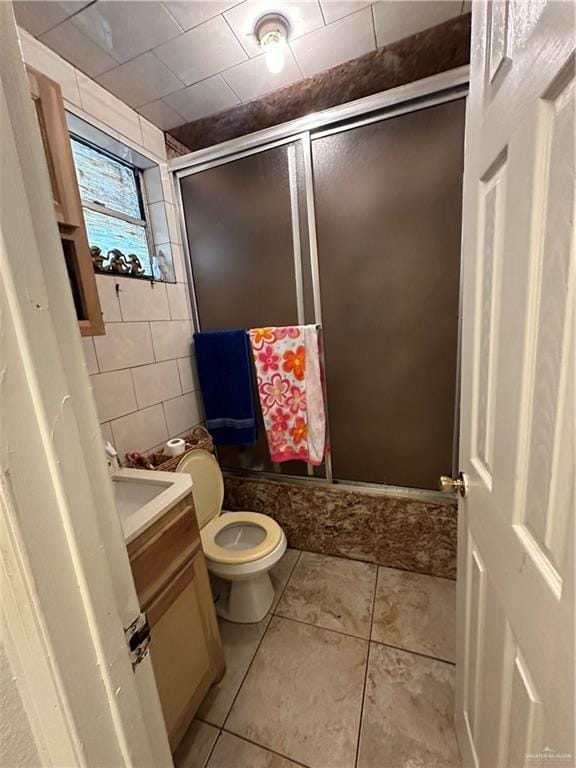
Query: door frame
(67, 588)
(428, 92)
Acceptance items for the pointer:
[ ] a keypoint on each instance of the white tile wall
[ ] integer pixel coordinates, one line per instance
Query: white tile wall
(157, 382)
(171, 339)
(114, 394)
(252, 78)
(397, 19)
(140, 80)
(140, 431)
(182, 413)
(132, 375)
(201, 99)
(143, 300)
(124, 345)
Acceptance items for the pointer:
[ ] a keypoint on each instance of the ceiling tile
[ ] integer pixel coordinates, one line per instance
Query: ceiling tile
(337, 9)
(140, 81)
(163, 116)
(38, 18)
(253, 78)
(73, 45)
(341, 41)
(202, 52)
(127, 28)
(303, 17)
(202, 99)
(396, 19)
(190, 14)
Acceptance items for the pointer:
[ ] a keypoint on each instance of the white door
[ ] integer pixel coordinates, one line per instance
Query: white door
(515, 673)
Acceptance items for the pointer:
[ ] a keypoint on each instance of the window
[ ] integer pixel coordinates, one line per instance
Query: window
(113, 213)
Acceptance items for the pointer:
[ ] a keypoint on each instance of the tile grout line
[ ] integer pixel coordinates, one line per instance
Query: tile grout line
(414, 653)
(261, 746)
(374, 592)
(271, 615)
(216, 740)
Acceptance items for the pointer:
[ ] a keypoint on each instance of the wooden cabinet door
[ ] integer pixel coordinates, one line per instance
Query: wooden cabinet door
(185, 648)
(49, 105)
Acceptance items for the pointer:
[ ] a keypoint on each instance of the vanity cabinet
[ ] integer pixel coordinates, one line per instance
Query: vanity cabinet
(172, 582)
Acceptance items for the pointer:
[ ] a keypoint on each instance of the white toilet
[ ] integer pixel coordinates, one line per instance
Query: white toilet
(240, 547)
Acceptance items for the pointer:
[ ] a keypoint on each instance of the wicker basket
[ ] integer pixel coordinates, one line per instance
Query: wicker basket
(198, 439)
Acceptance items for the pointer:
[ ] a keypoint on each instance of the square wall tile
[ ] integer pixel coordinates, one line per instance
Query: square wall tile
(188, 374)
(127, 28)
(79, 49)
(252, 78)
(302, 696)
(165, 261)
(201, 99)
(341, 41)
(156, 382)
(153, 185)
(190, 14)
(114, 394)
(107, 435)
(140, 431)
(39, 17)
(173, 223)
(39, 56)
(162, 115)
(183, 413)
(172, 339)
(99, 103)
(178, 261)
(337, 9)
(397, 19)
(202, 52)
(108, 295)
(125, 345)
(416, 612)
(179, 301)
(153, 139)
(303, 17)
(159, 222)
(140, 80)
(143, 300)
(89, 354)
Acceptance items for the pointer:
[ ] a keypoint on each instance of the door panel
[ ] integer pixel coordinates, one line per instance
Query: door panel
(388, 202)
(517, 415)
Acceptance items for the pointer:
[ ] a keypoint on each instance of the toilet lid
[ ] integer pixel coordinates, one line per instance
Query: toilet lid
(228, 529)
(207, 484)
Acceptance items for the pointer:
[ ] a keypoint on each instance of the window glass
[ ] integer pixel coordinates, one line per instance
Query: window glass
(106, 181)
(107, 233)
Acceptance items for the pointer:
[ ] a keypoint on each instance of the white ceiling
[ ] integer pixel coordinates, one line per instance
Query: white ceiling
(178, 61)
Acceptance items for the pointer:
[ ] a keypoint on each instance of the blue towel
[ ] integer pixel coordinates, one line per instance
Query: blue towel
(225, 373)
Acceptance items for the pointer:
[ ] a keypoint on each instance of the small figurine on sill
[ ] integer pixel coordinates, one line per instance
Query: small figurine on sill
(134, 265)
(117, 263)
(98, 258)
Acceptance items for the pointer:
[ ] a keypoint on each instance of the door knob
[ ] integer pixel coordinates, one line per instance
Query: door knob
(453, 485)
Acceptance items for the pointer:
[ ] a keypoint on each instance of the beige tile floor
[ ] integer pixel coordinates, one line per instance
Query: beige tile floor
(353, 668)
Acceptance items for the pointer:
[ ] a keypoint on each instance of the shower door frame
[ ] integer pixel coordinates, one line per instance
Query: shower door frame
(431, 91)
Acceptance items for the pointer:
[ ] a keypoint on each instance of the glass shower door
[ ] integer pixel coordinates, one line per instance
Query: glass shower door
(247, 239)
(388, 198)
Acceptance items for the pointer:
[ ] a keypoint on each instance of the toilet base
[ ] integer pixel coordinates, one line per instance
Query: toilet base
(247, 601)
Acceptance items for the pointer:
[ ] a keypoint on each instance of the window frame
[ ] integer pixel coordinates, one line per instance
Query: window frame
(106, 211)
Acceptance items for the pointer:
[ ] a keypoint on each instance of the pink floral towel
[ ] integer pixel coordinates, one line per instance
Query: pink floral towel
(290, 389)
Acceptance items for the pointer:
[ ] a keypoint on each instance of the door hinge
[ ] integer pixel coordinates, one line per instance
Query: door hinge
(138, 639)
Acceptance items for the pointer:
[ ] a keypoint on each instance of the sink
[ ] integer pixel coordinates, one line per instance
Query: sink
(142, 496)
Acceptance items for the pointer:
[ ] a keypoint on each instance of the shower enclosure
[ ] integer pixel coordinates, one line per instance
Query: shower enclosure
(350, 219)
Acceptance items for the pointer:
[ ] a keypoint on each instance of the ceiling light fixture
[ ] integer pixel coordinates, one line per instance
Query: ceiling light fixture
(272, 33)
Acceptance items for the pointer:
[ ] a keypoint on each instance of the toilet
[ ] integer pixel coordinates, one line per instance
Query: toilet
(240, 547)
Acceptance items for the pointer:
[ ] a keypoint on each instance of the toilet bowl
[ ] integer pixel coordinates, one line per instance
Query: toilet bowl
(240, 547)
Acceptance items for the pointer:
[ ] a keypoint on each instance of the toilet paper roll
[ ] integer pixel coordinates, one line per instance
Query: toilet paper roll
(175, 447)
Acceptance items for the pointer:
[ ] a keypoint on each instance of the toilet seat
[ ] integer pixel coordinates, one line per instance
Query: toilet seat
(219, 554)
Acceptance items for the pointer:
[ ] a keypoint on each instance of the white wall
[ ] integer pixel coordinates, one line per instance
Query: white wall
(142, 373)
(17, 745)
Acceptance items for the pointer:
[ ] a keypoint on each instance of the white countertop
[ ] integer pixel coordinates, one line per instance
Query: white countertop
(142, 496)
